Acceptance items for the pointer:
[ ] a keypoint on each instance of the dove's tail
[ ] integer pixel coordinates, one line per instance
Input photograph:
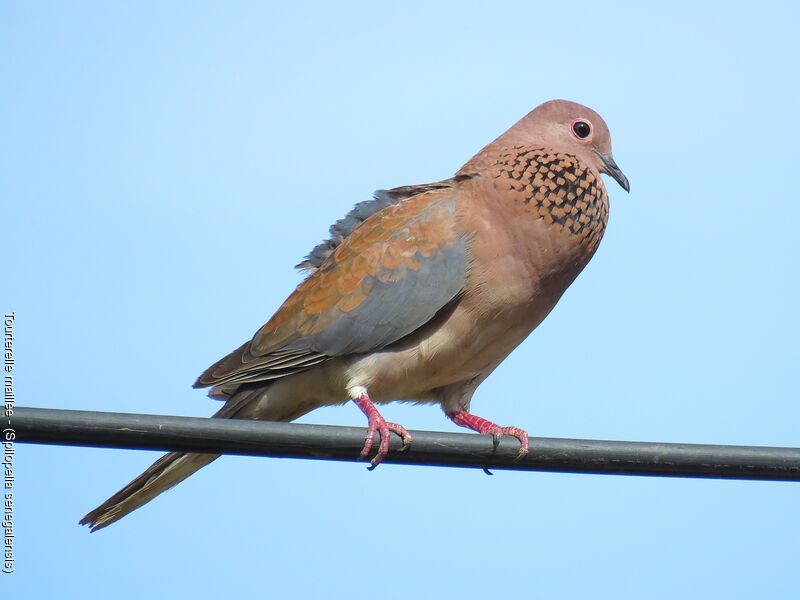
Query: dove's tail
(167, 471)
(172, 468)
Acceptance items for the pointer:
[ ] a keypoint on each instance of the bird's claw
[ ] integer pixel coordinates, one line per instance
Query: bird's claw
(497, 432)
(380, 425)
(484, 427)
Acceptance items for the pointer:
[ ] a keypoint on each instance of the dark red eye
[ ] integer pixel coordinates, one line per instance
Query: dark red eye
(581, 129)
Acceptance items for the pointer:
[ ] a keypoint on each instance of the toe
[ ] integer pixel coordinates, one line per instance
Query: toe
(402, 432)
(370, 439)
(522, 436)
(383, 448)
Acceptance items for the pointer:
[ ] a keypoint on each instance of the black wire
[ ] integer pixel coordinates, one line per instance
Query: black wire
(431, 448)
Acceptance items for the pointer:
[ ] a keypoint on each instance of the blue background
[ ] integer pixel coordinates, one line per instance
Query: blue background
(165, 164)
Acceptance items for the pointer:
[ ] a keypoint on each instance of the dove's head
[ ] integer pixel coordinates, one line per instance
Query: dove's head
(568, 127)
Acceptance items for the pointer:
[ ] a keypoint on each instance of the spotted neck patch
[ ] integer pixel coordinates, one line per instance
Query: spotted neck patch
(557, 187)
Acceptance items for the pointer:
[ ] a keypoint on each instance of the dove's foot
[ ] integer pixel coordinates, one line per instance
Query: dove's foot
(379, 424)
(483, 426)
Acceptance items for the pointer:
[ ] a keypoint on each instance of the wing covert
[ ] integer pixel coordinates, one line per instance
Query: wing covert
(387, 278)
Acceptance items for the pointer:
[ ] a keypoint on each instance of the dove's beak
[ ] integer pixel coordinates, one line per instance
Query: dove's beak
(611, 168)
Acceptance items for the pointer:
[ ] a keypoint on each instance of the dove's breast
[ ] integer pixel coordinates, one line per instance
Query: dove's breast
(531, 224)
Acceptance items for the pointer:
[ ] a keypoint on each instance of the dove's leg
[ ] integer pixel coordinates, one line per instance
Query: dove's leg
(379, 424)
(483, 426)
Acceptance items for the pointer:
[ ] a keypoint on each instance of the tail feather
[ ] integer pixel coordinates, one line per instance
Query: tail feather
(170, 469)
(167, 471)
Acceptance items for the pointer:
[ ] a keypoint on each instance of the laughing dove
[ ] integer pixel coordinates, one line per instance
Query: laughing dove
(420, 292)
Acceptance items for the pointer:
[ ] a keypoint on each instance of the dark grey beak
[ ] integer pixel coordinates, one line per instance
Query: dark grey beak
(613, 170)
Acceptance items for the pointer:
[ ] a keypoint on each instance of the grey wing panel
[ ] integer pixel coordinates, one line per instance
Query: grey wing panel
(397, 303)
(395, 310)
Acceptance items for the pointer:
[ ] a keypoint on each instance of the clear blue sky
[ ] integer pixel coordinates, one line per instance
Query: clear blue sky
(165, 164)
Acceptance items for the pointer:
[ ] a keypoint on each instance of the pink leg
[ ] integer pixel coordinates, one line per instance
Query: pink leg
(378, 423)
(483, 426)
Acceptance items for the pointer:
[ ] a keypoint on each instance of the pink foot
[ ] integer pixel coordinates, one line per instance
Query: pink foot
(378, 423)
(483, 427)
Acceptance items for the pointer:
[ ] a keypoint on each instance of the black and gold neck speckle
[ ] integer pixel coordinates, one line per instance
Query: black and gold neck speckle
(557, 187)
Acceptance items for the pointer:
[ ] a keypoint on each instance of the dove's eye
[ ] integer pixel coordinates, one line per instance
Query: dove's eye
(581, 129)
